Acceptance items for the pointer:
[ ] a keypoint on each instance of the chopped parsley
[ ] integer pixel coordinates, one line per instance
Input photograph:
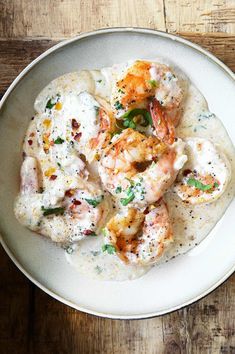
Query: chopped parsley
(118, 190)
(59, 164)
(120, 91)
(104, 231)
(58, 140)
(128, 123)
(199, 185)
(51, 211)
(97, 109)
(130, 196)
(99, 81)
(129, 115)
(94, 202)
(128, 199)
(108, 248)
(118, 105)
(135, 190)
(153, 83)
(52, 102)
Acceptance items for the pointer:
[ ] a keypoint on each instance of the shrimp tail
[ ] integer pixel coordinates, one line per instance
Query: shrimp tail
(163, 125)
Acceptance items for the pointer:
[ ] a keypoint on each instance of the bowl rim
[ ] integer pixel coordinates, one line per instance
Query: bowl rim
(27, 69)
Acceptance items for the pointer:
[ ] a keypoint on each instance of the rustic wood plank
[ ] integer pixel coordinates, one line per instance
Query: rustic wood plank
(62, 19)
(205, 327)
(15, 55)
(15, 297)
(204, 16)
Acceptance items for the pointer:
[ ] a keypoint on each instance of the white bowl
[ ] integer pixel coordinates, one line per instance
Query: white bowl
(165, 288)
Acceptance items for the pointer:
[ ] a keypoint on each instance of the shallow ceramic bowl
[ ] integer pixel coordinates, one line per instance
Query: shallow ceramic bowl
(165, 288)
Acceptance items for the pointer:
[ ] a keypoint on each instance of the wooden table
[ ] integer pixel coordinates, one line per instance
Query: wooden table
(30, 320)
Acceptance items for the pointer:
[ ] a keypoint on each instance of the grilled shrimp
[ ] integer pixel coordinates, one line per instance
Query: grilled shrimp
(138, 170)
(65, 212)
(153, 86)
(205, 176)
(140, 238)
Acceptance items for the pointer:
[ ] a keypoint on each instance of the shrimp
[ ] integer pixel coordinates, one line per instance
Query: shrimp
(70, 126)
(138, 170)
(206, 174)
(140, 238)
(76, 212)
(107, 127)
(153, 86)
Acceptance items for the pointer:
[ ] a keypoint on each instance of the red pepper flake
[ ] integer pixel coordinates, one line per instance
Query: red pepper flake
(154, 159)
(78, 136)
(30, 142)
(53, 177)
(76, 202)
(75, 124)
(69, 193)
(146, 211)
(186, 172)
(88, 232)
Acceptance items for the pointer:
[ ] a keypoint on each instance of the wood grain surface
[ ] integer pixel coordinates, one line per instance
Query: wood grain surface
(30, 320)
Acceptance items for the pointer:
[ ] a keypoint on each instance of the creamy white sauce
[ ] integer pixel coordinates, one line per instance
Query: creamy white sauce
(89, 259)
(191, 224)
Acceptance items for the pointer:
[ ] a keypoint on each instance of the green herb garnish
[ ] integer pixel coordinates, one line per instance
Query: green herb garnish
(118, 189)
(99, 81)
(153, 83)
(216, 185)
(93, 234)
(58, 140)
(128, 199)
(129, 115)
(135, 190)
(199, 185)
(50, 104)
(128, 123)
(108, 248)
(104, 231)
(95, 202)
(97, 109)
(50, 211)
(118, 105)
